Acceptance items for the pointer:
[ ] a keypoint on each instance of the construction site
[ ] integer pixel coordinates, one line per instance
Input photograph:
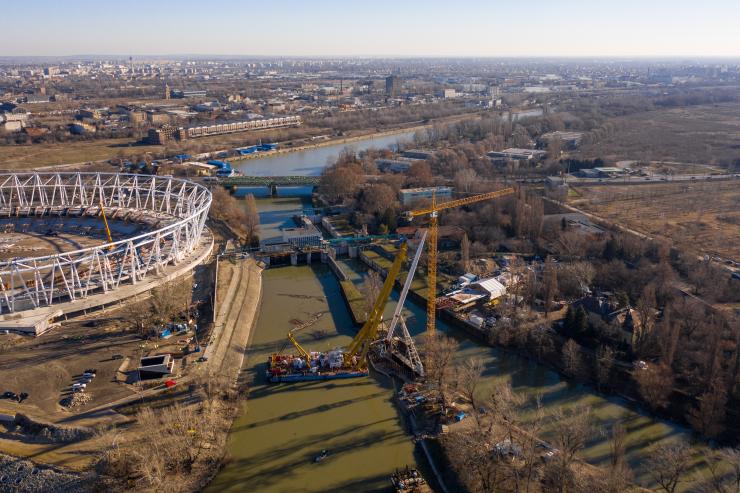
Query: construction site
(108, 288)
(387, 346)
(111, 284)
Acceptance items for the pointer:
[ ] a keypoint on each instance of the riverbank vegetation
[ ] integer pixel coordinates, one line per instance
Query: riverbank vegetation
(506, 442)
(240, 216)
(178, 446)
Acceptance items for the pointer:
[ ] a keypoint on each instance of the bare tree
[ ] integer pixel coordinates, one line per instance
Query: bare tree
(655, 384)
(669, 464)
(340, 182)
(619, 471)
(572, 429)
(506, 403)
(604, 365)
(722, 471)
(141, 316)
(465, 179)
(708, 416)
(549, 283)
(469, 380)
(572, 358)
(250, 219)
(465, 252)
(646, 308)
(439, 351)
(172, 300)
(370, 288)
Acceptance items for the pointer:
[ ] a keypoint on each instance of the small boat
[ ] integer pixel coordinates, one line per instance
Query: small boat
(323, 455)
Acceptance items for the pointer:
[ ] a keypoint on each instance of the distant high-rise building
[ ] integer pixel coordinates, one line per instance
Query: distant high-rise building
(166, 91)
(392, 86)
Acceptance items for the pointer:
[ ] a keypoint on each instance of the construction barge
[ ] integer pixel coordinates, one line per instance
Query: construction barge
(336, 363)
(318, 366)
(409, 480)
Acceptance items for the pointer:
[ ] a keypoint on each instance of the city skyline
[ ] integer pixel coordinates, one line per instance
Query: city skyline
(568, 28)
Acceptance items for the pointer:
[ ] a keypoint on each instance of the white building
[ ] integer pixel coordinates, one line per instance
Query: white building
(304, 235)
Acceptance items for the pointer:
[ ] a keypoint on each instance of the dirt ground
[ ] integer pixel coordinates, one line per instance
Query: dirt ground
(698, 216)
(35, 237)
(706, 134)
(46, 366)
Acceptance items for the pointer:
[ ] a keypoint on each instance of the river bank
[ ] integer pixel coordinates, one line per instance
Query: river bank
(357, 135)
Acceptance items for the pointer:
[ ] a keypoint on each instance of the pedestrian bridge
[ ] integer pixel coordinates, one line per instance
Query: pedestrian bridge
(270, 182)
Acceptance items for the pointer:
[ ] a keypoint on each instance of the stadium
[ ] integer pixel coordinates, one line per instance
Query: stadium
(74, 242)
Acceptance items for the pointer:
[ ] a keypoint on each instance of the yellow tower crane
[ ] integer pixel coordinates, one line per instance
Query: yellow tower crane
(105, 221)
(432, 211)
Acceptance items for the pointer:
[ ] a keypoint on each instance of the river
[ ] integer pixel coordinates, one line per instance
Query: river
(310, 162)
(272, 444)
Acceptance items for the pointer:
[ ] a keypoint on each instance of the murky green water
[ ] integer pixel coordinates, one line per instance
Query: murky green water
(286, 425)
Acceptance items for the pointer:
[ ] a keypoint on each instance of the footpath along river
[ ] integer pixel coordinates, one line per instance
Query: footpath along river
(283, 427)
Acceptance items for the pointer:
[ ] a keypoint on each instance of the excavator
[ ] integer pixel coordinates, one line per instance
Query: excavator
(337, 363)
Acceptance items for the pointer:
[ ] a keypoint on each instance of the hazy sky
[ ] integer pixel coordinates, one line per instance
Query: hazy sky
(372, 27)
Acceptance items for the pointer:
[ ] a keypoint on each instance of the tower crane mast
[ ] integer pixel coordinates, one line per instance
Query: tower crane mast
(433, 212)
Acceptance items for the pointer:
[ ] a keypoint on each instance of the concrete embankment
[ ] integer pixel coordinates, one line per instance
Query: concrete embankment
(352, 296)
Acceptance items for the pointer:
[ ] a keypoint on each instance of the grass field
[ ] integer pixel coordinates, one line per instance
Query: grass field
(18, 157)
(36, 155)
(698, 216)
(707, 134)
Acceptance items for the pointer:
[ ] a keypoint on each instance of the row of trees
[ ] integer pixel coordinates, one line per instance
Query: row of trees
(240, 215)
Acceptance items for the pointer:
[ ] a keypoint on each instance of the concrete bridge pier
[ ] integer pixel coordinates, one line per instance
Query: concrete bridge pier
(308, 257)
(352, 251)
(293, 259)
(273, 191)
(324, 257)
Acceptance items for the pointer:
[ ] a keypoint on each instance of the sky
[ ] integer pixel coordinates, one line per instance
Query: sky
(403, 28)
